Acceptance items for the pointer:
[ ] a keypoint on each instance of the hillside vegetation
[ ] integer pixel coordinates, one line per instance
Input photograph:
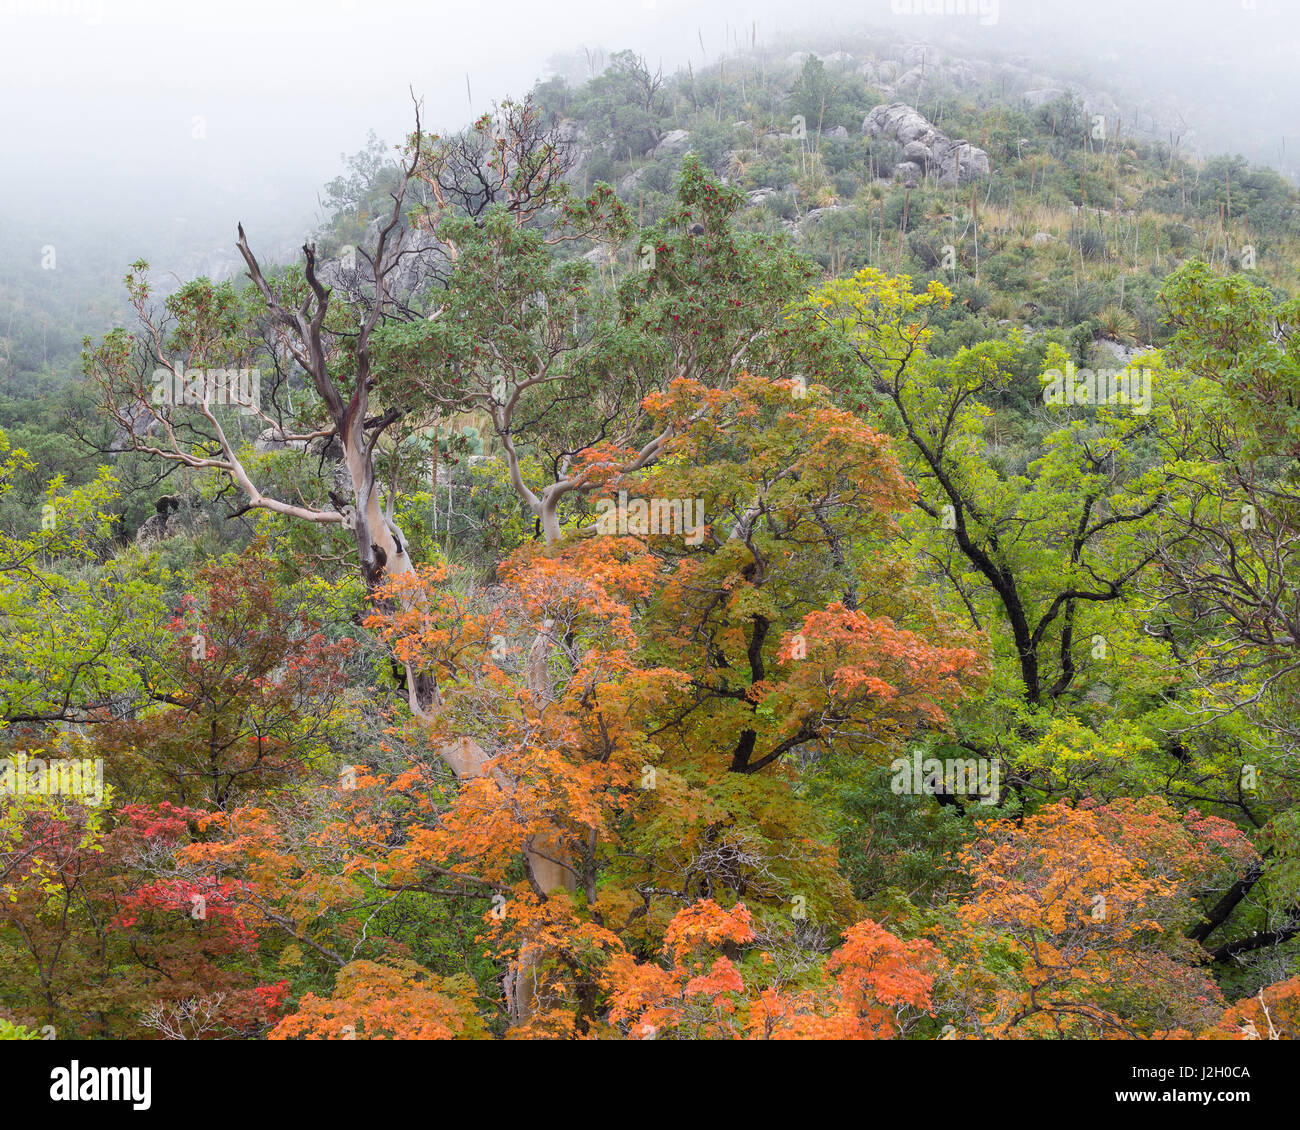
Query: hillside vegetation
(796, 549)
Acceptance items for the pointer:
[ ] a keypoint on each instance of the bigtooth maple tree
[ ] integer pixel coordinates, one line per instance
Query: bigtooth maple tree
(1083, 910)
(612, 752)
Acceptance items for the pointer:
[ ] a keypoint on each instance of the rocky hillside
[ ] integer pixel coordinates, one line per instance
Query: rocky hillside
(1041, 200)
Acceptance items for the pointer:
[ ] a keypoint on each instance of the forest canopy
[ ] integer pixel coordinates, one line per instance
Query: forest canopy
(655, 567)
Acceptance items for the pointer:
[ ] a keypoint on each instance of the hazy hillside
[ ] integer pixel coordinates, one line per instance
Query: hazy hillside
(796, 546)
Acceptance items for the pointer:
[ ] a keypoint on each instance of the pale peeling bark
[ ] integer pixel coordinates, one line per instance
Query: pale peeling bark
(381, 545)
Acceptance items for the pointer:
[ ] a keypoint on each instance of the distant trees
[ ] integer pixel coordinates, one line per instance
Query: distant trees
(622, 107)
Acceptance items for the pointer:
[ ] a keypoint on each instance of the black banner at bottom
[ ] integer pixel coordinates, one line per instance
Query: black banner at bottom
(340, 1079)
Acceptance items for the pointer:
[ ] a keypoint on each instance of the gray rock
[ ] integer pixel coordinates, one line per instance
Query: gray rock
(1100, 693)
(217, 265)
(573, 140)
(632, 181)
(926, 147)
(273, 439)
(962, 74)
(913, 54)
(152, 529)
(899, 121)
(959, 162)
(420, 260)
(911, 77)
(674, 141)
(815, 214)
(918, 152)
(1120, 352)
(909, 173)
(172, 515)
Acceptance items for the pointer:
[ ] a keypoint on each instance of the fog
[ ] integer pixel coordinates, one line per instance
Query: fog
(179, 118)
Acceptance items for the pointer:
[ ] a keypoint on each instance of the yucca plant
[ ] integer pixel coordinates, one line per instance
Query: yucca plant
(1116, 324)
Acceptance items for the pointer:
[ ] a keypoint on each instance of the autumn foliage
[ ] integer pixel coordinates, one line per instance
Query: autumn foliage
(634, 782)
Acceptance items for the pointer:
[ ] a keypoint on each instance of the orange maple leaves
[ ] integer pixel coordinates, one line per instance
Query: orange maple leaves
(1094, 900)
(854, 666)
(386, 1001)
(869, 984)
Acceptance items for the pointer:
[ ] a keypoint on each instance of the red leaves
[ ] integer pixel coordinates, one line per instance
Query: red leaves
(209, 904)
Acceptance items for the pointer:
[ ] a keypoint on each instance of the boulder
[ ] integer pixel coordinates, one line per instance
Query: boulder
(571, 138)
(913, 54)
(674, 141)
(909, 173)
(632, 181)
(925, 147)
(421, 261)
(815, 214)
(910, 77)
(917, 151)
(899, 121)
(273, 439)
(962, 74)
(172, 515)
(959, 162)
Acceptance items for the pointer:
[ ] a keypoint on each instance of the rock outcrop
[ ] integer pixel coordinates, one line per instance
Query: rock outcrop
(172, 515)
(674, 141)
(926, 149)
(421, 263)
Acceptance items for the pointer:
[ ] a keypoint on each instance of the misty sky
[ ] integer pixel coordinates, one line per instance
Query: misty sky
(148, 108)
